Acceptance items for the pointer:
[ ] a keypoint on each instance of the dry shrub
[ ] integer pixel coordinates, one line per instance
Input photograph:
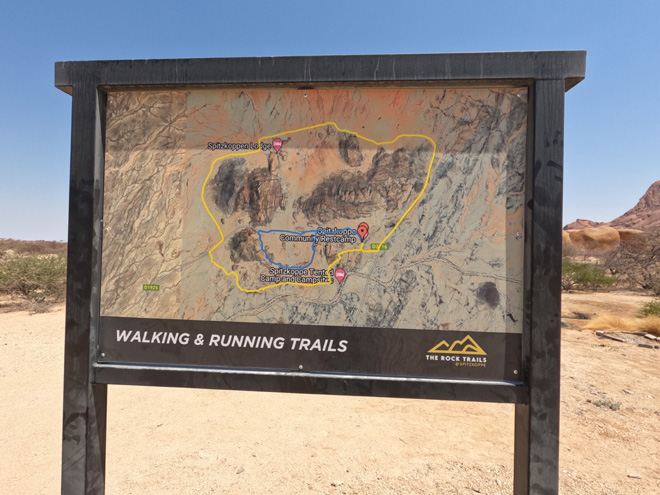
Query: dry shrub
(612, 322)
(649, 324)
(32, 247)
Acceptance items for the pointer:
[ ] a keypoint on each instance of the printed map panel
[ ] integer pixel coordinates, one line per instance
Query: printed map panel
(381, 208)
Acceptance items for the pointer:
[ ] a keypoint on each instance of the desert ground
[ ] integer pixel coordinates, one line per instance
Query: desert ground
(184, 441)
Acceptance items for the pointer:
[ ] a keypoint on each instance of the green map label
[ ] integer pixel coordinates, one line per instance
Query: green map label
(383, 247)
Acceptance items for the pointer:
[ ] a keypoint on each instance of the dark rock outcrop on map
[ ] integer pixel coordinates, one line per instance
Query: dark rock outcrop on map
(397, 165)
(245, 246)
(390, 174)
(404, 166)
(488, 293)
(259, 192)
(344, 195)
(274, 162)
(349, 150)
(261, 195)
(229, 178)
(352, 195)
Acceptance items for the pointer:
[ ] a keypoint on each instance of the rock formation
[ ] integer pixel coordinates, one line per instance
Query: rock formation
(245, 246)
(354, 195)
(261, 195)
(581, 223)
(646, 214)
(228, 180)
(349, 150)
(596, 238)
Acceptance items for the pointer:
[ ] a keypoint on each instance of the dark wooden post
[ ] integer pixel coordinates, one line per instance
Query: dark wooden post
(536, 465)
(84, 427)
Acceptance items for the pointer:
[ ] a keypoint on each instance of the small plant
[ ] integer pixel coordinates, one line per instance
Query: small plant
(608, 404)
(36, 278)
(651, 308)
(576, 275)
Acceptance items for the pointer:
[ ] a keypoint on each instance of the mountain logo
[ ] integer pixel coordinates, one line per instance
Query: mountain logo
(466, 346)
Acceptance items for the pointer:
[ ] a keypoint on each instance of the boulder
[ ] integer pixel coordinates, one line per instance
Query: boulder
(595, 240)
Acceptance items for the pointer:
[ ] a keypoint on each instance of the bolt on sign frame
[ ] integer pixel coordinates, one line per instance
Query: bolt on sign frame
(94, 358)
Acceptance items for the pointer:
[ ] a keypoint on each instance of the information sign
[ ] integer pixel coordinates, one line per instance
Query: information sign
(353, 230)
(383, 225)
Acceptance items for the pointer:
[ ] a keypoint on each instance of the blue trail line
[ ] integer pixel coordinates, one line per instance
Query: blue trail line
(313, 243)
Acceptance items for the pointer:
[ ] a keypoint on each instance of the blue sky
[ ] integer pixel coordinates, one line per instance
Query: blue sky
(612, 118)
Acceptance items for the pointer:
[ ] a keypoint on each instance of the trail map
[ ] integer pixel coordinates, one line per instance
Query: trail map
(385, 208)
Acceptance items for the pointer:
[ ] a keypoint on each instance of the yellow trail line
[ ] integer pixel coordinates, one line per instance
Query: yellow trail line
(360, 249)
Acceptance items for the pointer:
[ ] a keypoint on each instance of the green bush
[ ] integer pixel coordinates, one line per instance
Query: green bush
(651, 308)
(36, 277)
(583, 276)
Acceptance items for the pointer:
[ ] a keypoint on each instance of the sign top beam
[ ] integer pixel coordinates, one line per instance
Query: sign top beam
(474, 68)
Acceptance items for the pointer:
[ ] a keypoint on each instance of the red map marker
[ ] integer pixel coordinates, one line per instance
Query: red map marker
(363, 230)
(277, 144)
(340, 274)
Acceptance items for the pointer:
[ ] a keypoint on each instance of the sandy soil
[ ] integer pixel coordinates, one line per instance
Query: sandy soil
(170, 441)
(620, 303)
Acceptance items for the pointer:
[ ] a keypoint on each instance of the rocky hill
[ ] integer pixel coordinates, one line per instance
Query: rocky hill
(597, 238)
(645, 215)
(582, 223)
